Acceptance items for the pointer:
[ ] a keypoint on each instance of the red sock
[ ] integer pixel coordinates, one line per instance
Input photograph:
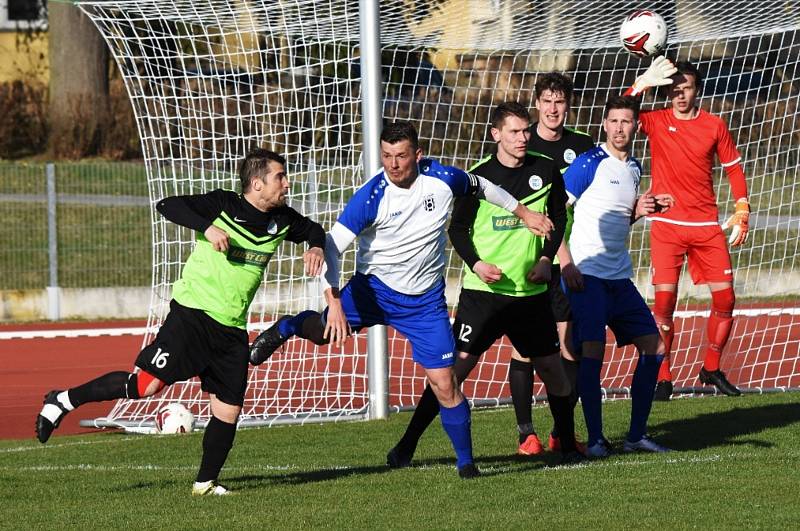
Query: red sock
(719, 326)
(663, 309)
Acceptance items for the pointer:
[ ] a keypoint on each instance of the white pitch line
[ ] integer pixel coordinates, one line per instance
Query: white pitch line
(142, 330)
(98, 332)
(671, 459)
(53, 446)
(81, 332)
(127, 468)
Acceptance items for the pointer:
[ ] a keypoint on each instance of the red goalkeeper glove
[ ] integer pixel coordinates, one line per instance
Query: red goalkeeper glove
(740, 221)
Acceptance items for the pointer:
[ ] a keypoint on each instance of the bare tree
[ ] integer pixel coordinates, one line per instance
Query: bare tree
(79, 98)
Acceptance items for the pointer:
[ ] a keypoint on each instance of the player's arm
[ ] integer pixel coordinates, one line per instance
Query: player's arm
(570, 273)
(659, 73)
(462, 183)
(337, 241)
(358, 214)
(303, 229)
(649, 203)
(197, 212)
(557, 211)
(732, 162)
(464, 211)
(577, 178)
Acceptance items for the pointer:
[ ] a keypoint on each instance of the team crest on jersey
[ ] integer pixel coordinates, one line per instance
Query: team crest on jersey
(569, 156)
(272, 228)
(535, 182)
(429, 203)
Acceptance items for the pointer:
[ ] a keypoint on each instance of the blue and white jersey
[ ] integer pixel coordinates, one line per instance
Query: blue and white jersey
(402, 231)
(603, 190)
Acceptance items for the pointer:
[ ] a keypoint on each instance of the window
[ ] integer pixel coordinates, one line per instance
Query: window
(18, 14)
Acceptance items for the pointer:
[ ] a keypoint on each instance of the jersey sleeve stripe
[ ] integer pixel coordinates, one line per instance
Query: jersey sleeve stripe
(479, 163)
(731, 163)
(578, 131)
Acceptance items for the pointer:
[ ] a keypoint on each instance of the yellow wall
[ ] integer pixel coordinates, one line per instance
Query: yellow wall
(22, 64)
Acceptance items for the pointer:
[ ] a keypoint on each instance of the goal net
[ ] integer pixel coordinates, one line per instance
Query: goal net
(211, 79)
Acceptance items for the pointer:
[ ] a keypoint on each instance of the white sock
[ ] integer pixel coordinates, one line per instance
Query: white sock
(63, 398)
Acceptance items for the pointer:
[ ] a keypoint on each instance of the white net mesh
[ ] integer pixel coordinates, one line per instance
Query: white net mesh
(209, 79)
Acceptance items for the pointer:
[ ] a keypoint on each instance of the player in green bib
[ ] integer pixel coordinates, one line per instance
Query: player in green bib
(506, 274)
(205, 332)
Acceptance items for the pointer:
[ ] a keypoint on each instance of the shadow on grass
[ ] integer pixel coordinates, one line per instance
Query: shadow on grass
(726, 427)
(489, 465)
(307, 476)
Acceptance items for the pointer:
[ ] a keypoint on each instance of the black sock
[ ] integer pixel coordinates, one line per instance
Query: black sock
(217, 442)
(313, 328)
(571, 369)
(426, 411)
(564, 418)
(520, 380)
(110, 386)
(464, 366)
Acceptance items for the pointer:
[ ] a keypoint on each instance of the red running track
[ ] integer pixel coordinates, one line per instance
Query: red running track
(764, 349)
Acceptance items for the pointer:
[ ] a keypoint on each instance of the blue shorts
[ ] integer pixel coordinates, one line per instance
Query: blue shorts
(616, 303)
(423, 319)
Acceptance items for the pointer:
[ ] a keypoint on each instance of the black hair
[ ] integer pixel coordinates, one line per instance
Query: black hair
(398, 131)
(622, 102)
(506, 109)
(685, 67)
(554, 82)
(255, 164)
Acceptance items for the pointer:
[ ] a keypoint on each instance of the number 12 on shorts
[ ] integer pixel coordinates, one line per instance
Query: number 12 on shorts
(464, 332)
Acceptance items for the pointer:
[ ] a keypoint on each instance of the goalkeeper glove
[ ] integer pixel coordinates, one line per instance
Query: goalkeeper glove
(659, 73)
(740, 221)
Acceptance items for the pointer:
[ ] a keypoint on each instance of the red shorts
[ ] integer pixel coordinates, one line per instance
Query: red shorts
(706, 247)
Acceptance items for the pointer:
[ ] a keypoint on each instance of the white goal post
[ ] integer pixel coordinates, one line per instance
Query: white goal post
(211, 79)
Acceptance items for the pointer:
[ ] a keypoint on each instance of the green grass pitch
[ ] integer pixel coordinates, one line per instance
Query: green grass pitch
(736, 465)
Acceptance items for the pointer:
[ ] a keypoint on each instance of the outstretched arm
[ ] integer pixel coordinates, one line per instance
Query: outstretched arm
(537, 223)
(464, 183)
(659, 73)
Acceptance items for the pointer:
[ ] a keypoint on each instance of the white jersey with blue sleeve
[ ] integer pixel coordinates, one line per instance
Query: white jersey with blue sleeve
(402, 231)
(603, 190)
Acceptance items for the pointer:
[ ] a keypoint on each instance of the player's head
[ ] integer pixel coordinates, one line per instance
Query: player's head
(400, 152)
(553, 94)
(620, 120)
(263, 179)
(511, 129)
(687, 83)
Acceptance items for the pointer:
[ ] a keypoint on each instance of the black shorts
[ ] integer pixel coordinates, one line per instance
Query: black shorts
(190, 343)
(558, 299)
(483, 317)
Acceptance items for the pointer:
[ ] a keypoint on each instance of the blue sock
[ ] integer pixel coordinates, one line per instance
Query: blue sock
(457, 424)
(591, 397)
(642, 389)
(290, 327)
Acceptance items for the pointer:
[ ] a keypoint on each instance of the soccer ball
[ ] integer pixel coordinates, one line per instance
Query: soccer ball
(174, 418)
(643, 33)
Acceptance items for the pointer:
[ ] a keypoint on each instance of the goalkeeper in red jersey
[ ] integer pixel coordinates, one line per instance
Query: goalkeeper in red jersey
(683, 142)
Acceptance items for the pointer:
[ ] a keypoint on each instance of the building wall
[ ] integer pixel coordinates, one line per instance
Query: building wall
(23, 62)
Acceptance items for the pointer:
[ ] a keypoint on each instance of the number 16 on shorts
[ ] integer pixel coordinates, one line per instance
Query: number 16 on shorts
(160, 359)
